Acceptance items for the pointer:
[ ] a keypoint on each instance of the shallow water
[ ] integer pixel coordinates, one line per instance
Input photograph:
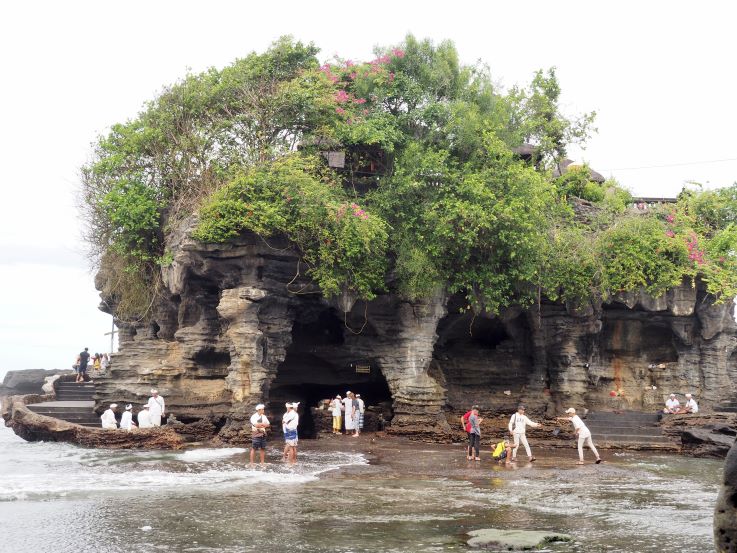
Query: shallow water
(394, 497)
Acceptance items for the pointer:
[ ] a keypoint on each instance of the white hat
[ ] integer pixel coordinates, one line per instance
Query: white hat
(688, 395)
(128, 407)
(145, 405)
(295, 404)
(113, 405)
(338, 397)
(259, 406)
(154, 391)
(673, 395)
(288, 405)
(348, 393)
(571, 411)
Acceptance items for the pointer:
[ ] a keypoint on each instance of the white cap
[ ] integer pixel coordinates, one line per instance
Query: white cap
(113, 405)
(288, 405)
(145, 405)
(128, 407)
(338, 397)
(673, 395)
(154, 391)
(259, 406)
(295, 404)
(571, 411)
(688, 395)
(348, 393)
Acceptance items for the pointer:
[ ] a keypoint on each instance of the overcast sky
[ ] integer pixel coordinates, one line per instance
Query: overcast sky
(659, 74)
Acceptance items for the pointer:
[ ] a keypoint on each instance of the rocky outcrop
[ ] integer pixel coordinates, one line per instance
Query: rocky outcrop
(710, 435)
(725, 512)
(29, 381)
(241, 323)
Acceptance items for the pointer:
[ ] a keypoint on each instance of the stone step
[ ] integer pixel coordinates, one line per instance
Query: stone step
(622, 416)
(726, 409)
(625, 430)
(626, 439)
(76, 397)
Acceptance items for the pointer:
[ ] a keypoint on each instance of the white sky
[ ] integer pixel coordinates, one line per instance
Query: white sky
(659, 74)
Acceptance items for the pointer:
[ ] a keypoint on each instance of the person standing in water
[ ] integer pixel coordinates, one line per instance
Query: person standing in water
(290, 421)
(582, 433)
(517, 426)
(259, 425)
(475, 436)
(336, 407)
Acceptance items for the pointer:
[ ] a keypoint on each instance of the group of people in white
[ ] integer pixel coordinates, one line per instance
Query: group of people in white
(349, 409)
(674, 407)
(518, 423)
(148, 417)
(260, 427)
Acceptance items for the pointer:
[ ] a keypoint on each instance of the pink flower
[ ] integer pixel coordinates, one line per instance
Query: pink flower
(670, 234)
(339, 111)
(398, 53)
(353, 76)
(360, 100)
(365, 112)
(670, 218)
(342, 96)
(349, 63)
(391, 77)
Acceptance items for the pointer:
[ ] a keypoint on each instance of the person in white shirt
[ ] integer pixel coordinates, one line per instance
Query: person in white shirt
(126, 421)
(290, 421)
(259, 426)
(347, 410)
(144, 417)
(517, 426)
(691, 405)
(108, 418)
(672, 405)
(582, 433)
(156, 407)
(336, 407)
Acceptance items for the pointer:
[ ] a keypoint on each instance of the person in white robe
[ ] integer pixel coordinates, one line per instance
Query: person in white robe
(156, 407)
(144, 417)
(126, 421)
(108, 418)
(348, 410)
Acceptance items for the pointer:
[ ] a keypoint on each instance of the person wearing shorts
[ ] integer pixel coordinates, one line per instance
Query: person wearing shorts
(259, 427)
(290, 421)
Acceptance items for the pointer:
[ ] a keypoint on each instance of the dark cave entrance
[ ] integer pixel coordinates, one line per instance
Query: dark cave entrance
(319, 365)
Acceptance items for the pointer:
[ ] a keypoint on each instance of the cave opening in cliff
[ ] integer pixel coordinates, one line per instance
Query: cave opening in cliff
(318, 366)
(480, 357)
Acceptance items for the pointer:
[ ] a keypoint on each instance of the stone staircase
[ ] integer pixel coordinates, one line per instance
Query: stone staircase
(729, 406)
(74, 403)
(627, 429)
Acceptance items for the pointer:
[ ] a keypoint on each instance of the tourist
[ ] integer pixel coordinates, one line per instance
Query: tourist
(144, 417)
(475, 421)
(691, 405)
(347, 409)
(289, 422)
(467, 429)
(502, 452)
(96, 362)
(108, 418)
(355, 415)
(672, 405)
(82, 359)
(104, 362)
(361, 411)
(582, 433)
(156, 407)
(259, 427)
(517, 426)
(336, 407)
(126, 421)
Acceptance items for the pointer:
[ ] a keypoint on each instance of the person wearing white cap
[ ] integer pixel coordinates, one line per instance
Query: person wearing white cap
(517, 426)
(691, 405)
(108, 418)
(144, 417)
(126, 421)
(348, 410)
(336, 407)
(289, 422)
(361, 411)
(156, 407)
(259, 426)
(582, 433)
(672, 405)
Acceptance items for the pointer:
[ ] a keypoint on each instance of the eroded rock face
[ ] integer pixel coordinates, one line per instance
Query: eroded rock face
(241, 324)
(725, 513)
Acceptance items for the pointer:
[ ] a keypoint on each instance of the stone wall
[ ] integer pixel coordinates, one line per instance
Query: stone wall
(240, 324)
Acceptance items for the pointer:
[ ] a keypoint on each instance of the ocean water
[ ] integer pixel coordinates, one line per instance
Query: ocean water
(382, 497)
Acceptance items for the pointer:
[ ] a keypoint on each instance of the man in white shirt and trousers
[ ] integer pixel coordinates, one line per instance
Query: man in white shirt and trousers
(156, 408)
(108, 418)
(582, 433)
(126, 421)
(517, 425)
(144, 417)
(347, 412)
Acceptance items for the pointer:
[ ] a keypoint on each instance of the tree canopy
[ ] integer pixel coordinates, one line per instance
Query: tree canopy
(398, 174)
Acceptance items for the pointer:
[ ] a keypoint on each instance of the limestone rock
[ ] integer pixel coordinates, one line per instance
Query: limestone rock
(514, 540)
(725, 512)
(29, 381)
